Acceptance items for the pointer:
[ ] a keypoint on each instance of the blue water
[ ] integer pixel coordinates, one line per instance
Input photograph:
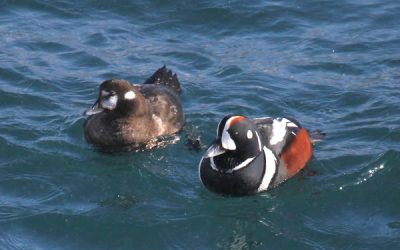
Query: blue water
(333, 65)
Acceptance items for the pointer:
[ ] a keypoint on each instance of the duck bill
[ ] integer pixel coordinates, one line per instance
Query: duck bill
(214, 150)
(95, 109)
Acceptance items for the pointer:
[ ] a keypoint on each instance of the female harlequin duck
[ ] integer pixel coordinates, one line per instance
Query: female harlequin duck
(127, 114)
(250, 156)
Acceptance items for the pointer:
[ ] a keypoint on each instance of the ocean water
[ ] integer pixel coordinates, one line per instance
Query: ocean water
(333, 65)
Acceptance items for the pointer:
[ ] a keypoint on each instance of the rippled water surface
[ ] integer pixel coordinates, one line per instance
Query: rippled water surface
(334, 65)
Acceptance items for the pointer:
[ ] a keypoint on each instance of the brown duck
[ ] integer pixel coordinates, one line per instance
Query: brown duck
(134, 114)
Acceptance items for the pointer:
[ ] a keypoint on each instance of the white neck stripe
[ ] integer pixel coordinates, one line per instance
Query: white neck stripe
(245, 163)
(270, 169)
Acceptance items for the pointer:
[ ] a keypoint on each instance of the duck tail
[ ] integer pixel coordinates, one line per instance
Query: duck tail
(164, 76)
(317, 136)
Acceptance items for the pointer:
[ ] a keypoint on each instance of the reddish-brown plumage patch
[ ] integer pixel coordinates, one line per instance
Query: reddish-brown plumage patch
(236, 119)
(298, 153)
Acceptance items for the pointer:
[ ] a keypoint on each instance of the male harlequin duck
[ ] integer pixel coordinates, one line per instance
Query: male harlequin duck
(250, 156)
(130, 114)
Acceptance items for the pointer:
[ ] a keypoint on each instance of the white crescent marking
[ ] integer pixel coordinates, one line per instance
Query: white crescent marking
(270, 169)
(226, 139)
(245, 163)
(227, 142)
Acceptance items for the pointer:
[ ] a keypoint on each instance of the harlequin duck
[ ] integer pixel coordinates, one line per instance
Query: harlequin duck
(131, 114)
(250, 156)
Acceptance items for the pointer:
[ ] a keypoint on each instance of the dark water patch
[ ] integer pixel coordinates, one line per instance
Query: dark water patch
(228, 72)
(12, 150)
(31, 86)
(83, 59)
(16, 135)
(97, 40)
(352, 47)
(28, 190)
(124, 201)
(197, 60)
(57, 146)
(10, 75)
(339, 68)
(47, 46)
(390, 62)
(394, 224)
(61, 9)
(374, 114)
(26, 98)
(124, 9)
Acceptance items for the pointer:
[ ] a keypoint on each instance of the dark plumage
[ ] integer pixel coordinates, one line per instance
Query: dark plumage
(126, 114)
(251, 156)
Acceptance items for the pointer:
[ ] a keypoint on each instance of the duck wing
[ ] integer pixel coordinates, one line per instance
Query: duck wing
(277, 133)
(165, 77)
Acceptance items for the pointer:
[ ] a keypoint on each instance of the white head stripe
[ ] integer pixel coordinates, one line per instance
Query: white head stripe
(130, 95)
(104, 93)
(270, 169)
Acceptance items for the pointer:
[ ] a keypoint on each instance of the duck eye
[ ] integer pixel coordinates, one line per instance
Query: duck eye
(113, 93)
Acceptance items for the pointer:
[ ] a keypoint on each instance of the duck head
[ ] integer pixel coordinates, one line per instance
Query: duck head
(117, 97)
(237, 136)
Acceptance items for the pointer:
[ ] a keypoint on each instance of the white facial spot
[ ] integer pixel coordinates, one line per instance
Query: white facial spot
(110, 102)
(249, 134)
(130, 95)
(227, 142)
(104, 93)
